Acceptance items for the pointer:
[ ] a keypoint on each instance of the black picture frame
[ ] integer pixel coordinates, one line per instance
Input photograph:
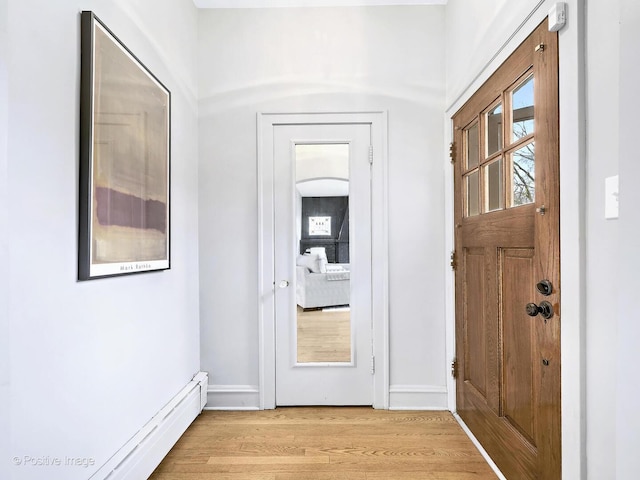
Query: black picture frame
(125, 164)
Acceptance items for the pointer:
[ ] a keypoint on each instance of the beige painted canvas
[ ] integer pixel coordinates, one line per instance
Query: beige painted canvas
(128, 171)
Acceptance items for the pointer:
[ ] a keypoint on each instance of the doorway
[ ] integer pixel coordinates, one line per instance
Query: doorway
(338, 230)
(507, 262)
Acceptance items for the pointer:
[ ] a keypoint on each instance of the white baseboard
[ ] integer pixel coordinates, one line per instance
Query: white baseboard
(418, 397)
(401, 397)
(233, 397)
(139, 457)
(482, 451)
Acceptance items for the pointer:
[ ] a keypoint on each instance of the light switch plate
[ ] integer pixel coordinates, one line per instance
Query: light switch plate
(611, 197)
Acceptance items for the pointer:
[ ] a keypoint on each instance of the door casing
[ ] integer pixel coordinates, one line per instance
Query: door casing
(266, 230)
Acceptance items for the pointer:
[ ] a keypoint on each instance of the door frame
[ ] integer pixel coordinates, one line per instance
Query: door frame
(572, 220)
(266, 122)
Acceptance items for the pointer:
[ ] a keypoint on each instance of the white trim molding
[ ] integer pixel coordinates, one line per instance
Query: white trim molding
(140, 456)
(418, 397)
(310, 3)
(233, 397)
(479, 446)
(380, 245)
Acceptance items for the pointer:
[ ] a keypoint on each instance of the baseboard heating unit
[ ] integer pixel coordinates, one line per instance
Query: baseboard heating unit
(139, 457)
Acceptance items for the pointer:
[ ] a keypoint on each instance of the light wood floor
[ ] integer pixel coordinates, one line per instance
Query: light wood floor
(324, 336)
(324, 443)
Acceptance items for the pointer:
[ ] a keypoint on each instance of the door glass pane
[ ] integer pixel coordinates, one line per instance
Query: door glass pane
(323, 285)
(494, 130)
(493, 186)
(473, 194)
(473, 146)
(522, 104)
(523, 163)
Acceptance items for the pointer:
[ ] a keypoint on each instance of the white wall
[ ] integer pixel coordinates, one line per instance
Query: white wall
(4, 252)
(603, 75)
(627, 415)
(475, 32)
(328, 59)
(91, 362)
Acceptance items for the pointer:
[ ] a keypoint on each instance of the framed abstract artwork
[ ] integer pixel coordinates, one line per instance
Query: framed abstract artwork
(125, 143)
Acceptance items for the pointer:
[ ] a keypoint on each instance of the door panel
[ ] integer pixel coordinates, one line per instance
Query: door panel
(476, 371)
(507, 219)
(518, 340)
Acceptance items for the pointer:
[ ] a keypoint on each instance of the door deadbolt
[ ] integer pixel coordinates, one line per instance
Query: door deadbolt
(545, 309)
(545, 287)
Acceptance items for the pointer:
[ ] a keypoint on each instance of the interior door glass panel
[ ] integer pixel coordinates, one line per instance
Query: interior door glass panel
(523, 110)
(323, 285)
(523, 163)
(473, 194)
(493, 186)
(473, 146)
(494, 130)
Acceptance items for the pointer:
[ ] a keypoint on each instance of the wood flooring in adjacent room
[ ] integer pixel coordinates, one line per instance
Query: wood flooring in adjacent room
(324, 443)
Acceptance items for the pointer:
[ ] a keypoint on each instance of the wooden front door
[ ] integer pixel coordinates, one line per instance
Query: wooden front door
(508, 266)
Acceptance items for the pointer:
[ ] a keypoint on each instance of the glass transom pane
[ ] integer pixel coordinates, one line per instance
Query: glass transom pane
(493, 185)
(494, 130)
(523, 163)
(522, 104)
(473, 194)
(473, 146)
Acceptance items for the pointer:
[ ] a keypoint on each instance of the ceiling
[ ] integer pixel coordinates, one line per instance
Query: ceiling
(308, 3)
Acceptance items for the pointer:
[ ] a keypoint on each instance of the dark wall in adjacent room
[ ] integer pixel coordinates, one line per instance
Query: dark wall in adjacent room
(336, 244)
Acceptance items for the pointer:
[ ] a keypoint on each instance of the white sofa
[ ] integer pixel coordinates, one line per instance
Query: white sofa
(323, 289)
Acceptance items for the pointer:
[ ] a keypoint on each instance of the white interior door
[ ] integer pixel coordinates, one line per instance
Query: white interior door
(316, 362)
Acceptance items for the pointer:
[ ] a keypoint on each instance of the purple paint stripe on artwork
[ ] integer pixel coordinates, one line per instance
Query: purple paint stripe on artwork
(122, 209)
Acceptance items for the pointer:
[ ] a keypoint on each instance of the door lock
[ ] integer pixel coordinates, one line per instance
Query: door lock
(545, 309)
(545, 287)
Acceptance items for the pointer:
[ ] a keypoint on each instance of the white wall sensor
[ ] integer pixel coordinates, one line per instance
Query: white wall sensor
(557, 16)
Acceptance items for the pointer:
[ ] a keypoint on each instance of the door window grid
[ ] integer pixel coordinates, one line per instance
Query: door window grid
(522, 113)
(472, 146)
(494, 127)
(523, 187)
(473, 193)
(504, 175)
(493, 188)
(471, 161)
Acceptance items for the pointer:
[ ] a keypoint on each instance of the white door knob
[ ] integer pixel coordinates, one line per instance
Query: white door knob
(284, 283)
